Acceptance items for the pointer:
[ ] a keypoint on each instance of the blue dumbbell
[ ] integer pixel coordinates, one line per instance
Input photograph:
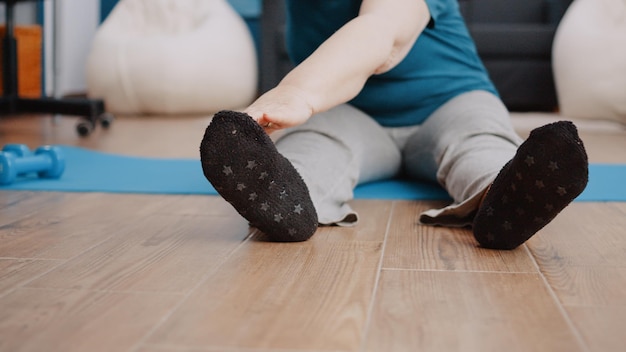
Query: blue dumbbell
(19, 150)
(47, 162)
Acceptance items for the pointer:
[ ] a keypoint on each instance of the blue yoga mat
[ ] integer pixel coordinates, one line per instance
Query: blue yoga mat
(91, 171)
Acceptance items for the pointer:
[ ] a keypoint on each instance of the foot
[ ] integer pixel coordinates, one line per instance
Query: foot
(548, 171)
(242, 163)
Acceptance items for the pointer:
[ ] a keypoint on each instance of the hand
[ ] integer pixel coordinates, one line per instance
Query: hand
(279, 108)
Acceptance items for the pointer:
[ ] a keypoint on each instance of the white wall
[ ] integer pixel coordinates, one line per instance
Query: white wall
(76, 24)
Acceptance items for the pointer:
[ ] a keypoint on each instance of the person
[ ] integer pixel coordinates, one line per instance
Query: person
(388, 88)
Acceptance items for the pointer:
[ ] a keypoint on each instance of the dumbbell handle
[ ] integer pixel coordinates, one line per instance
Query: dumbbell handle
(33, 163)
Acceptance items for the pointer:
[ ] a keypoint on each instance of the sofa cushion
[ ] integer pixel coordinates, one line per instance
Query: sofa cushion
(508, 40)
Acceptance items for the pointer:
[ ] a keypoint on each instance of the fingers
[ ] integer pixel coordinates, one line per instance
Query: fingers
(267, 125)
(262, 120)
(270, 123)
(270, 127)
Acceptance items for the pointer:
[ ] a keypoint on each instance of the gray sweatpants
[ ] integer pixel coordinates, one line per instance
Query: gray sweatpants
(462, 145)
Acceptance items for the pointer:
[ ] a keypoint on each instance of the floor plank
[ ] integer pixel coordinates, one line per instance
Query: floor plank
(589, 286)
(15, 272)
(60, 320)
(62, 225)
(371, 226)
(49, 234)
(9, 199)
(458, 311)
(301, 296)
(414, 246)
(583, 234)
(601, 327)
(19, 205)
(583, 259)
(195, 205)
(153, 253)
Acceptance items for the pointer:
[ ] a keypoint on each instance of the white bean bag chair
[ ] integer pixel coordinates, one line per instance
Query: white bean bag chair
(172, 57)
(589, 60)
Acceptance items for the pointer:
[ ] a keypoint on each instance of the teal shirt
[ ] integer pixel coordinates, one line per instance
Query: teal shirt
(442, 64)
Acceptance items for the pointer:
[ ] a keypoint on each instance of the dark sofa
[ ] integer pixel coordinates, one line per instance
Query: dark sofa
(513, 38)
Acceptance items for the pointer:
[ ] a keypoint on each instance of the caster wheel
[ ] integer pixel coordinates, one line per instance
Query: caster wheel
(106, 120)
(84, 128)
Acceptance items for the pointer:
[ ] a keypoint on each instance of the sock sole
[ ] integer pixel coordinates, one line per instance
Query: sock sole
(241, 162)
(549, 170)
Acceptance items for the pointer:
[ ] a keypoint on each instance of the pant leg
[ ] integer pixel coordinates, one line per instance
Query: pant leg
(333, 152)
(462, 145)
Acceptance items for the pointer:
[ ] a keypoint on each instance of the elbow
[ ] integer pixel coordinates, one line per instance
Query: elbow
(394, 43)
(384, 39)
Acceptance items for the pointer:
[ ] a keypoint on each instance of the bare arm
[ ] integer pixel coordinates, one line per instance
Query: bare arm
(372, 43)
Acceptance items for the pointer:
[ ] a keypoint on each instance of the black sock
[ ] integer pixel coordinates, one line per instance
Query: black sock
(242, 163)
(548, 171)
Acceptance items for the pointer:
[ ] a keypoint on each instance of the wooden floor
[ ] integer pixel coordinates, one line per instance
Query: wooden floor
(156, 273)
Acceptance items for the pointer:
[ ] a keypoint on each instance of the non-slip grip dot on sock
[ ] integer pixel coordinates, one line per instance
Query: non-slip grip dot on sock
(242, 163)
(549, 170)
